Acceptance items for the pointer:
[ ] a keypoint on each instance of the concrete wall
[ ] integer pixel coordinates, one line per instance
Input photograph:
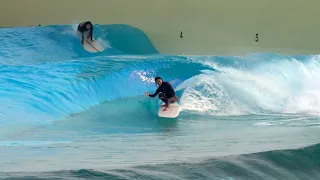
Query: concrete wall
(208, 26)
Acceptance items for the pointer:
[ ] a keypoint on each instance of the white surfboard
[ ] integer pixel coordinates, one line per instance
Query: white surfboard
(172, 112)
(92, 47)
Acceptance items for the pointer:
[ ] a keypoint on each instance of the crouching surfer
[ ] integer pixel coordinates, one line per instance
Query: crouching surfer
(165, 91)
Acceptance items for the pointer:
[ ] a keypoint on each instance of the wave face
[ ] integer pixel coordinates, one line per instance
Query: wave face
(65, 108)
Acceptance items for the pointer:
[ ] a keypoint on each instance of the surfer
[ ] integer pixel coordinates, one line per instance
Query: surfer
(165, 91)
(85, 27)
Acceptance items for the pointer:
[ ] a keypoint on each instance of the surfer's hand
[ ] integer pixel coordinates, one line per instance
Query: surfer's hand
(146, 94)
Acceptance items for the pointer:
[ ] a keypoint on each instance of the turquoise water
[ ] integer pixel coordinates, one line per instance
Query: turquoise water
(70, 114)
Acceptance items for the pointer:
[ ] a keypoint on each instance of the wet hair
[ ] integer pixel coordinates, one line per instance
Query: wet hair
(155, 79)
(88, 22)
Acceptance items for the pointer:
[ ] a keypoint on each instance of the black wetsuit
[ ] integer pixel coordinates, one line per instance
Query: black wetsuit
(166, 90)
(82, 29)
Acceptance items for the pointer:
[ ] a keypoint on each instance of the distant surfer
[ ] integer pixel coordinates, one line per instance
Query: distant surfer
(167, 93)
(85, 28)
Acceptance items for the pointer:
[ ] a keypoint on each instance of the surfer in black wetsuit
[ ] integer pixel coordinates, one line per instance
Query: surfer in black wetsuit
(167, 94)
(85, 27)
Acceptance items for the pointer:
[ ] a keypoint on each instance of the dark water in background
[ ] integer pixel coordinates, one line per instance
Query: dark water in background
(69, 114)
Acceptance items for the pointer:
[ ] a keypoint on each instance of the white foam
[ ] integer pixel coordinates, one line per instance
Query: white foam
(263, 124)
(284, 86)
(203, 94)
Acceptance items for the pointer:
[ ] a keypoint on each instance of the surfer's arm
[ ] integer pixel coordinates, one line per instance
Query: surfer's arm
(82, 37)
(91, 32)
(155, 94)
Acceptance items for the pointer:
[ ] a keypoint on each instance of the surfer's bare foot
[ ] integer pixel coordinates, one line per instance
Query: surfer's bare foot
(166, 109)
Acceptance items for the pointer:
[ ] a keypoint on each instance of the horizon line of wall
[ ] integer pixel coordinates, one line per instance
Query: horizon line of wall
(206, 27)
